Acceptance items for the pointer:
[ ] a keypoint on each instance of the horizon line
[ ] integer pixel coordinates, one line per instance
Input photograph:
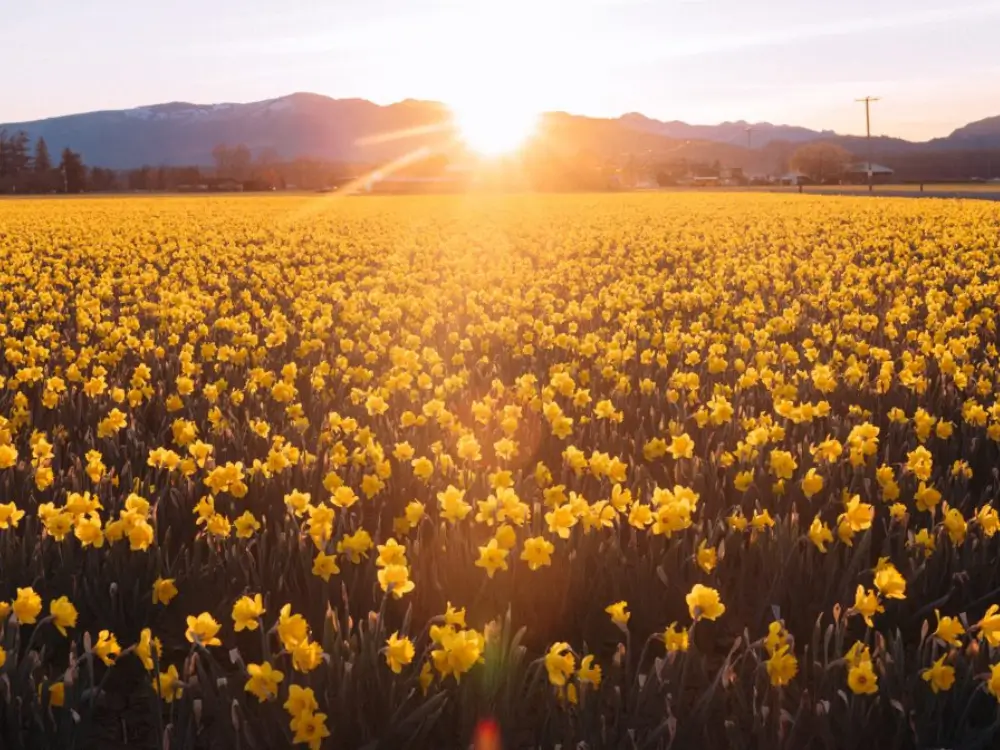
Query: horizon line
(433, 102)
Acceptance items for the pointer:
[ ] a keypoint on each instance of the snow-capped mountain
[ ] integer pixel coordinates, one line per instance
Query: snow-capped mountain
(354, 130)
(299, 125)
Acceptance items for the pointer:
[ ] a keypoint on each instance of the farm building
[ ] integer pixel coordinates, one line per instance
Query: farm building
(858, 173)
(706, 181)
(793, 178)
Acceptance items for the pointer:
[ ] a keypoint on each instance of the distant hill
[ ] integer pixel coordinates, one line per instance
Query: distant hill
(980, 134)
(180, 133)
(352, 130)
(735, 133)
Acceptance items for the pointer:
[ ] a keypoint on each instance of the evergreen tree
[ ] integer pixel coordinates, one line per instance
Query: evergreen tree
(73, 170)
(43, 162)
(20, 158)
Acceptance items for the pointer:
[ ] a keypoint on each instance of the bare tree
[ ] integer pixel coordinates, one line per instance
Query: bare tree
(821, 161)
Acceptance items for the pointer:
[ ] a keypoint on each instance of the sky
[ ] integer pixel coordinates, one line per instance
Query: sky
(797, 62)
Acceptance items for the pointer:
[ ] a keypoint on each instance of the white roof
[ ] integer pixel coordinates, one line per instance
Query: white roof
(862, 166)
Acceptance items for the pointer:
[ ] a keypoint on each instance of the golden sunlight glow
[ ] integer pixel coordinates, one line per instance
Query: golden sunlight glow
(494, 129)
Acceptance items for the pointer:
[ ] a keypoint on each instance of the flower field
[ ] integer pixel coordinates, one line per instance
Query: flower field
(619, 471)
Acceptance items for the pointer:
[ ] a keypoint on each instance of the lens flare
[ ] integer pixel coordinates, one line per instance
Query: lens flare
(494, 129)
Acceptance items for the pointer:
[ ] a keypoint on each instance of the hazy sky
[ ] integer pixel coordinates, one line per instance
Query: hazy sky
(790, 61)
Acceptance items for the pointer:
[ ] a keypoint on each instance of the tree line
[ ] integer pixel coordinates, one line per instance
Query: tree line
(235, 166)
(29, 168)
(822, 161)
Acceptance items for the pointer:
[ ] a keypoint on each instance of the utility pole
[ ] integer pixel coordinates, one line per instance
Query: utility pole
(749, 130)
(868, 133)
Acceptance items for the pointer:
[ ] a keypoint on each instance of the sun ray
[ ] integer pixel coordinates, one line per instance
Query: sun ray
(395, 135)
(361, 184)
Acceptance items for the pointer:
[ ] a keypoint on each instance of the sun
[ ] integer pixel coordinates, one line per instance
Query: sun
(495, 129)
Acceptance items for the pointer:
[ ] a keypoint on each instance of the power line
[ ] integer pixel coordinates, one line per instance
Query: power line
(868, 133)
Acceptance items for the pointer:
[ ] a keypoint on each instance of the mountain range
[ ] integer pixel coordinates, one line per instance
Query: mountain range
(359, 131)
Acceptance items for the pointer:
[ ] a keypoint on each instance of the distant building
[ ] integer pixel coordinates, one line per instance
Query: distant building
(733, 176)
(793, 178)
(212, 185)
(706, 181)
(858, 173)
(379, 183)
